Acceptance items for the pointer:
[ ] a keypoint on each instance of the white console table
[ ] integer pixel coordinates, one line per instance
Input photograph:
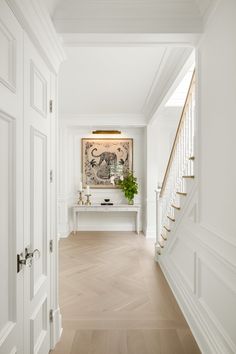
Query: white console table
(106, 209)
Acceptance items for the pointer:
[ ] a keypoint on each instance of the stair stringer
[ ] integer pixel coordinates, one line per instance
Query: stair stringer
(187, 261)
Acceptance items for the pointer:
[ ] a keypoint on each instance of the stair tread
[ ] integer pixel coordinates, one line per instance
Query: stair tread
(164, 238)
(169, 217)
(181, 193)
(175, 206)
(188, 176)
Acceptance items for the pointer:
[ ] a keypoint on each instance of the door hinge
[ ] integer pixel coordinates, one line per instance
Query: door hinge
(50, 106)
(51, 315)
(51, 176)
(51, 246)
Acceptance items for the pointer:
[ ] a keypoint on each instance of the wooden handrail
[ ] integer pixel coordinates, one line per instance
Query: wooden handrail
(181, 121)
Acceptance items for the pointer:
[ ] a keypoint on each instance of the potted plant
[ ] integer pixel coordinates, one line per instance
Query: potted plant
(129, 186)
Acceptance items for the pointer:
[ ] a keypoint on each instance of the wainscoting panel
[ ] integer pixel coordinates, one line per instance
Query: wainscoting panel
(217, 295)
(203, 278)
(183, 258)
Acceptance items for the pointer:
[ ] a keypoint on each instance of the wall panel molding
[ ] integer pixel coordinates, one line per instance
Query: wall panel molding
(38, 206)
(8, 60)
(38, 83)
(35, 20)
(8, 224)
(38, 326)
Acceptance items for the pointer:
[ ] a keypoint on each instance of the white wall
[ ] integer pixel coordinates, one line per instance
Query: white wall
(70, 175)
(217, 78)
(199, 260)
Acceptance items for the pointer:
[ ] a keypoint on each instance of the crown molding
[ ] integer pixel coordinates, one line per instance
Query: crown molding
(209, 11)
(103, 120)
(35, 20)
(155, 81)
(175, 62)
(130, 25)
(130, 39)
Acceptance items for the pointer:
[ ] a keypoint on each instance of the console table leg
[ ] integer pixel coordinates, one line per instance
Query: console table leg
(137, 222)
(74, 222)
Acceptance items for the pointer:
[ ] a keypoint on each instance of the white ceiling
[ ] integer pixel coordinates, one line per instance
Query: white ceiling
(108, 80)
(128, 16)
(123, 55)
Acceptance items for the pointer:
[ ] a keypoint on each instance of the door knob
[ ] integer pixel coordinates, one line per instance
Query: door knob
(32, 255)
(27, 259)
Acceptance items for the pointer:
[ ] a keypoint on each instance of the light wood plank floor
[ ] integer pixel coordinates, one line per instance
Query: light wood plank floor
(115, 300)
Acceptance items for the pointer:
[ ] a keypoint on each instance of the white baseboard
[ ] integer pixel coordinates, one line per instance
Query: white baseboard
(65, 235)
(56, 327)
(109, 228)
(115, 227)
(150, 234)
(63, 230)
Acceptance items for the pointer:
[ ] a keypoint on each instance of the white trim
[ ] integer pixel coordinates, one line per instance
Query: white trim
(56, 327)
(208, 15)
(111, 24)
(150, 234)
(114, 228)
(169, 84)
(114, 120)
(10, 83)
(130, 39)
(36, 22)
(155, 82)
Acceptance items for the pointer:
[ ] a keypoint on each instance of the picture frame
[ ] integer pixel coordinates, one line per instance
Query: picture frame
(105, 160)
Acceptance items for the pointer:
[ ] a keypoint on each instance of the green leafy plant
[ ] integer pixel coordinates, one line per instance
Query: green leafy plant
(129, 186)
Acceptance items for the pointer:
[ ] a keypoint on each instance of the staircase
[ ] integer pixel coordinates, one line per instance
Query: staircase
(179, 176)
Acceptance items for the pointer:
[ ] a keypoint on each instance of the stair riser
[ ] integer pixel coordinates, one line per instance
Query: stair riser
(188, 183)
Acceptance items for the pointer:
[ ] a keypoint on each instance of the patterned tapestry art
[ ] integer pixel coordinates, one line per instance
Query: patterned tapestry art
(105, 161)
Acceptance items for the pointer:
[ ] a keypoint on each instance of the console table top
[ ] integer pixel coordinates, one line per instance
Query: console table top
(99, 206)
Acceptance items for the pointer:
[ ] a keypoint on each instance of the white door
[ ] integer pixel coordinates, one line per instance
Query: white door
(11, 181)
(36, 200)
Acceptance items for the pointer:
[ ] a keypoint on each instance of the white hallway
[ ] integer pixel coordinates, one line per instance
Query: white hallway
(68, 68)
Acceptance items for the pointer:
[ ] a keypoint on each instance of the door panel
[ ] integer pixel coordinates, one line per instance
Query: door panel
(11, 181)
(8, 274)
(38, 208)
(37, 199)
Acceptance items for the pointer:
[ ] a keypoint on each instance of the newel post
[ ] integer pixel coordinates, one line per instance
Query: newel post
(158, 222)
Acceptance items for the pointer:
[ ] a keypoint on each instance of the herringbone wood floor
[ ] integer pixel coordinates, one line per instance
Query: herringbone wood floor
(115, 300)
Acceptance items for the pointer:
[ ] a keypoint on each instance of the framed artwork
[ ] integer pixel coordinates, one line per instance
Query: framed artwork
(104, 161)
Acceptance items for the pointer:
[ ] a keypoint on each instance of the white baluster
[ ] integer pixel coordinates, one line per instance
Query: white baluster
(179, 165)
